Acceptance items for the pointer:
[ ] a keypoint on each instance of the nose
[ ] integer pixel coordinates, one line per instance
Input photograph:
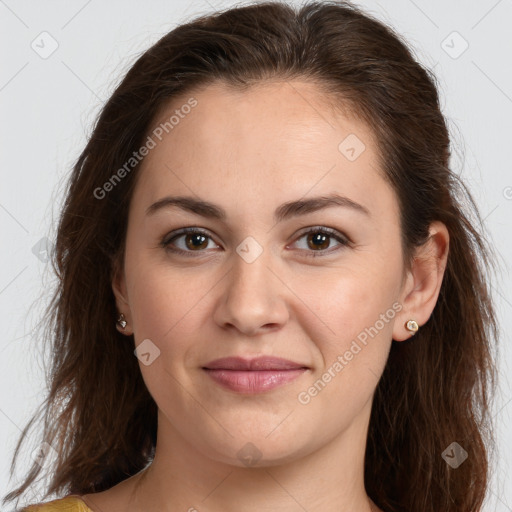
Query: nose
(253, 297)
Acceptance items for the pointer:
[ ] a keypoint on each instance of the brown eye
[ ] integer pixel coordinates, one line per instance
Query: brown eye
(187, 241)
(318, 241)
(195, 241)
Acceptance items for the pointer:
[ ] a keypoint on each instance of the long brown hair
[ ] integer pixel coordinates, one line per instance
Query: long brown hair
(435, 390)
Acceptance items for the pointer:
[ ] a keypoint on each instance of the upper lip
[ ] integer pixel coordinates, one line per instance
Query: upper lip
(257, 363)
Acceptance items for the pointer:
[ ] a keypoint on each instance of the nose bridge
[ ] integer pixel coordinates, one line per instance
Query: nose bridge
(250, 277)
(252, 295)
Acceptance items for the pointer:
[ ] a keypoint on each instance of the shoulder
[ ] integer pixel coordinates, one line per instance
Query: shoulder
(67, 504)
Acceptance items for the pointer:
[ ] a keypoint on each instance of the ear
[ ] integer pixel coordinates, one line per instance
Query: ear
(423, 283)
(121, 296)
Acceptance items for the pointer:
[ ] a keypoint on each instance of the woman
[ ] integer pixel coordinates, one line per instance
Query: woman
(265, 217)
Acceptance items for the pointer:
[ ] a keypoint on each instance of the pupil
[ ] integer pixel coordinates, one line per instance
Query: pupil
(319, 237)
(195, 236)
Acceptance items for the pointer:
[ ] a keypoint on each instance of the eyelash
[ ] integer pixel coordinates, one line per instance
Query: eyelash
(344, 241)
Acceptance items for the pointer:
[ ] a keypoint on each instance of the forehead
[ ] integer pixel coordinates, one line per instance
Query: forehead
(271, 143)
(277, 116)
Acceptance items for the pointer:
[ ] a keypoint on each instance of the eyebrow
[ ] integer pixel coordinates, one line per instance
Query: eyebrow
(283, 212)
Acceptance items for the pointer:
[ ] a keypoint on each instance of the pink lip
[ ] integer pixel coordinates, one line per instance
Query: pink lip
(253, 375)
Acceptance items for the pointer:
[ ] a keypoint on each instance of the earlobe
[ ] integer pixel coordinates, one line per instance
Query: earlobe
(423, 283)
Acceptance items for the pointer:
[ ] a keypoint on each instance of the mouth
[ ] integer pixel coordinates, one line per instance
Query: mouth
(253, 375)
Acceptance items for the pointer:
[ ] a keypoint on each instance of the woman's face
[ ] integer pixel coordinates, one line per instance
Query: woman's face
(319, 285)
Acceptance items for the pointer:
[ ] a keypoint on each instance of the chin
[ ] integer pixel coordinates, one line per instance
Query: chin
(247, 451)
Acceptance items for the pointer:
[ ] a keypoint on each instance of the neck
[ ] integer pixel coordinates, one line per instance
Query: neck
(182, 477)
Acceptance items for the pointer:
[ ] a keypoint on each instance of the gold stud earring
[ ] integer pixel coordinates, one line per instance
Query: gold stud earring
(121, 321)
(412, 326)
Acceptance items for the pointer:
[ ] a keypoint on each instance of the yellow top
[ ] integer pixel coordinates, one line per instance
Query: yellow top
(71, 503)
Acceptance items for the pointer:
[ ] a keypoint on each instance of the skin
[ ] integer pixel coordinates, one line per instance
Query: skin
(249, 152)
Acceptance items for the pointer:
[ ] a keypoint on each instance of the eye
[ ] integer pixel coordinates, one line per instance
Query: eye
(318, 240)
(195, 240)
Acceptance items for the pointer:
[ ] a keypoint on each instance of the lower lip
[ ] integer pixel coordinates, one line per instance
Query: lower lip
(254, 381)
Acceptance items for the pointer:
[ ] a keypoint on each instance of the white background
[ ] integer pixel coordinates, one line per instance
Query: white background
(48, 107)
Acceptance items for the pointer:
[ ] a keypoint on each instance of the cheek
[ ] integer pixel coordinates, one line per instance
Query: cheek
(160, 298)
(344, 298)
(164, 307)
(349, 313)
(352, 329)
